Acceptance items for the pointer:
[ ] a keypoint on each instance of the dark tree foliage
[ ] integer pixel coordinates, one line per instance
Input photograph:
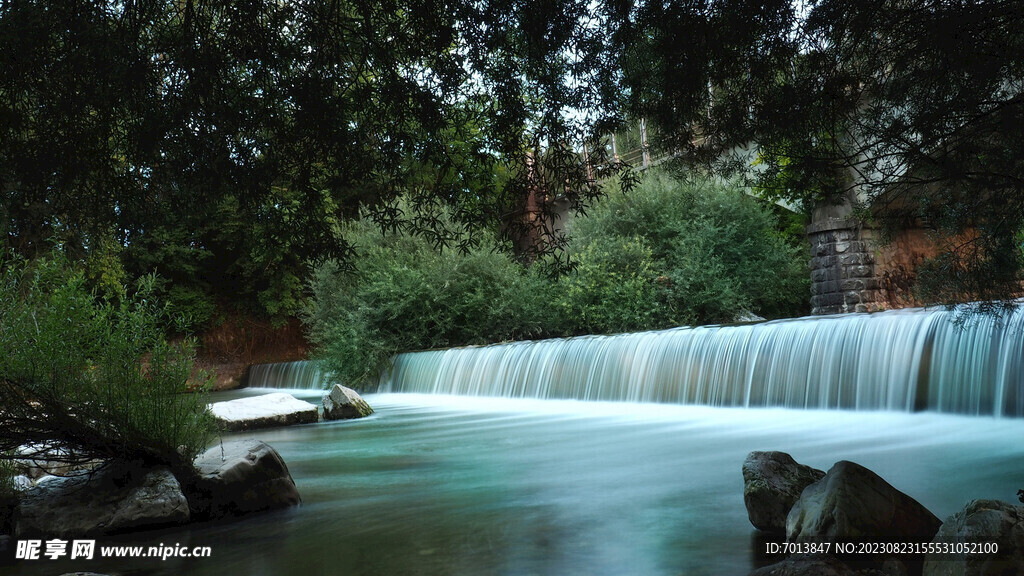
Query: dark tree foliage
(913, 109)
(220, 143)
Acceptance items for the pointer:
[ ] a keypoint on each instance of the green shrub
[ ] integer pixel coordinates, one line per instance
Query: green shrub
(669, 253)
(715, 251)
(8, 495)
(404, 294)
(91, 377)
(613, 288)
(193, 309)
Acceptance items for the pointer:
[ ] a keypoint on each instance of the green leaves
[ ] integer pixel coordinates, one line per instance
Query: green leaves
(612, 289)
(92, 377)
(712, 251)
(221, 144)
(405, 294)
(911, 110)
(670, 253)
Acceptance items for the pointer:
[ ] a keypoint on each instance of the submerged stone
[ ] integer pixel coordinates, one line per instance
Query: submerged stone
(21, 482)
(264, 411)
(36, 461)
(343, 403)
(772, 483)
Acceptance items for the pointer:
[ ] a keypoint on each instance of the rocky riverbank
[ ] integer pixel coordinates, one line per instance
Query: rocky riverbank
(230, 479)
(851, 522)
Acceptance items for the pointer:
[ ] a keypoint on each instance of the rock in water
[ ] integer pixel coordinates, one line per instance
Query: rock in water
(343, 403)
(744, 316)
(241, 477)
(38, 460)
(115, 499)
(772, 483)
(853, 504)
(981, 522)
(264, 411)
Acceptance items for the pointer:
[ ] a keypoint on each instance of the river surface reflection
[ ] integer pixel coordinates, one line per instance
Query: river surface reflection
(435, 485)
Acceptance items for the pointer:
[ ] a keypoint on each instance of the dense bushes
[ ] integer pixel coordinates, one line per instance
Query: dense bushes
(406, 295)
(90, 377)
(613, 288)
(714, 251)
(669, 253)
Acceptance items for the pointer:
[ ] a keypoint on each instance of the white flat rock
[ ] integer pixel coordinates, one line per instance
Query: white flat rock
(264, 411)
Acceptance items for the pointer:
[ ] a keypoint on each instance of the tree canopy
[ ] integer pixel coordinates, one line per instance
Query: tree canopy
(911, 108)
(221, 143)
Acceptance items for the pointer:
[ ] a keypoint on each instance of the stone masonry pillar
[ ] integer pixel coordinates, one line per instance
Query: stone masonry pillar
(843, 276)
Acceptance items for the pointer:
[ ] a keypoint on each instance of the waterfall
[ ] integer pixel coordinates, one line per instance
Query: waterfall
(898, 360)
(294, 375)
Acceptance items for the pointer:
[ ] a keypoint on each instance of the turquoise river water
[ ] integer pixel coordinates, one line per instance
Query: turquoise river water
(616, 455)
(450, 485)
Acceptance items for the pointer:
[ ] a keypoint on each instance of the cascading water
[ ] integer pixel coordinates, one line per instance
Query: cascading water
(899, 360)
(460, 486)
(300, 375)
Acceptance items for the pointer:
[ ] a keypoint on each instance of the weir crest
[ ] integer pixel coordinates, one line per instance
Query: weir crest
(904, 360)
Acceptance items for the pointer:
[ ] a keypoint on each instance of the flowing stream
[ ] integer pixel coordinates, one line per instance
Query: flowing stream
(302, 375)
(448, 485)
(617, 455)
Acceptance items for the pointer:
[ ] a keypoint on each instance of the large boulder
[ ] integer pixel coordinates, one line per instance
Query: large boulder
(240, 477)
(116, 498)
(980, 523)
(343, 403)
(264, 411)
(853, 504)
(772, 483)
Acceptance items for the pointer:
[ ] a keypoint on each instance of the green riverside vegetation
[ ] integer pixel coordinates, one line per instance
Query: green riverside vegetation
(672, 252)
(93, 377)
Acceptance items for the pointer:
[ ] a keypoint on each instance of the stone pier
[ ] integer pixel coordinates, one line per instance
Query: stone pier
(843, 271)
(855, 269)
